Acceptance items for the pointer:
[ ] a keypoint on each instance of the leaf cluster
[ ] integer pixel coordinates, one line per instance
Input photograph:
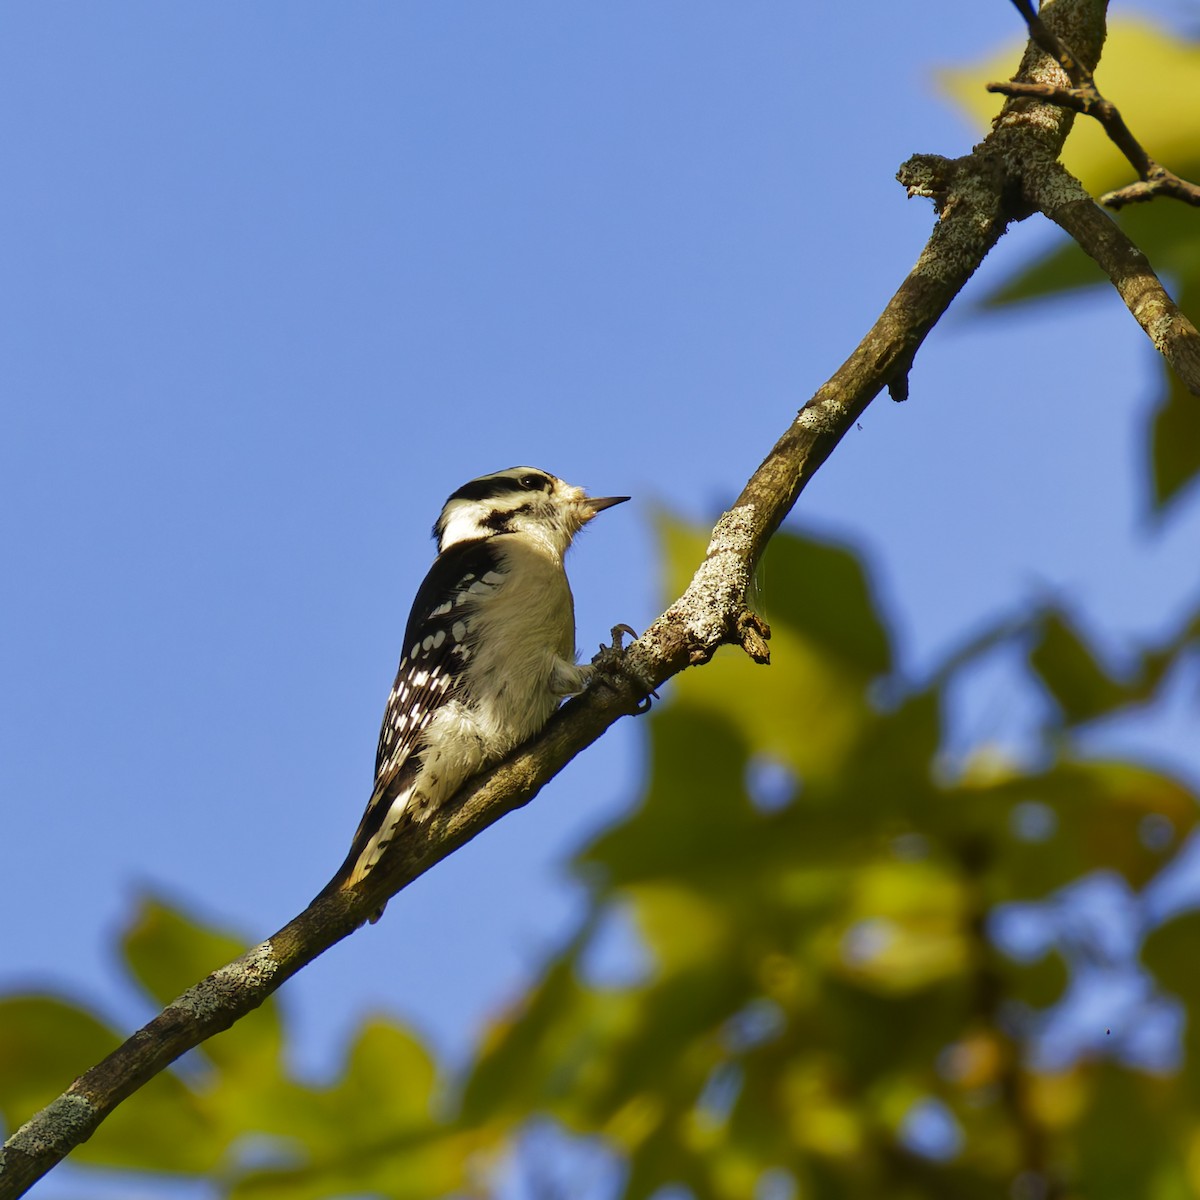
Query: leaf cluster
(812, 880)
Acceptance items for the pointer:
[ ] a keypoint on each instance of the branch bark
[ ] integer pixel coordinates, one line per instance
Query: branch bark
(976, 196)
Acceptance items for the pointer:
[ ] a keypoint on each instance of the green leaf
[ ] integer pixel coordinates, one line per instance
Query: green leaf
(377, 1131)
(1172, 954)
(1175, 440)
(168, 952)
(821, 591)
(666, 836)
(506, 1056)
(45, 1042)
(165, 1126)
(827, 637)
(1080, 686)
(1065, 268)
(904, 927)
(1038, 984)
(1167, 233)
(403, 1166)
(1102, 815)
(389, 1080)
(1113, 1163)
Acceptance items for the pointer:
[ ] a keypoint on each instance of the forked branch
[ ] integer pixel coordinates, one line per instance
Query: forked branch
(1084, 97)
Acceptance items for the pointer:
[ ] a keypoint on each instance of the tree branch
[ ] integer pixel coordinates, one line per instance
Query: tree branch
(712, 611)
(976, 196)
(1083, 96)
(1058, 194)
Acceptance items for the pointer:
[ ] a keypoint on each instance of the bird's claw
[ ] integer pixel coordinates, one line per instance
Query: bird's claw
(611, 660)
(619, 633)
(609, 657)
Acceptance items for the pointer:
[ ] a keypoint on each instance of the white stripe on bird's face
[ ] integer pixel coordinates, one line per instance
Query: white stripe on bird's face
(520, 500)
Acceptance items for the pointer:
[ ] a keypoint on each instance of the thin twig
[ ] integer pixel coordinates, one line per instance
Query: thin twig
(1084, 97)
(1157, 181)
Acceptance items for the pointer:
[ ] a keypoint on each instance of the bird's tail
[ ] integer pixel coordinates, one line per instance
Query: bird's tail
(384, 818)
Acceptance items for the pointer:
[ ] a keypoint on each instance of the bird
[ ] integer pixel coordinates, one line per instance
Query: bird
(488, 653)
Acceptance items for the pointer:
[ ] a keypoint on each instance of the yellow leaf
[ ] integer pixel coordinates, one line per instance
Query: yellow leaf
(1152, 77)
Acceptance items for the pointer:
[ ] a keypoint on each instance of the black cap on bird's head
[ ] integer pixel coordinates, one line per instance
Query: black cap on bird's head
(518, 500)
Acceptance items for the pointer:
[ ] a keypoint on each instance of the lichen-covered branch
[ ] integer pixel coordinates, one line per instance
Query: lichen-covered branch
(976, 197)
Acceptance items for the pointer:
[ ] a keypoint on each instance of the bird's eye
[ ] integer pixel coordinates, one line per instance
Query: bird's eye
(531, 483)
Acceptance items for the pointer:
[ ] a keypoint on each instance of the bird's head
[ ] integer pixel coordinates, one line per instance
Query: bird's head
(518, 500)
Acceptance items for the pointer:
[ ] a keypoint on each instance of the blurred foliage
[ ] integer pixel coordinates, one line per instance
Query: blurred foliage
(233, 1112)
(1154, 79)
(822, 1010)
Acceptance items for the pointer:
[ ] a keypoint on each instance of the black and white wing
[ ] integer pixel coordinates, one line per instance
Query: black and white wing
(437, 644)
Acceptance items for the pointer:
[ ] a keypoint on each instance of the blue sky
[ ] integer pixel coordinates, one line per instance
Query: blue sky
(278, 278)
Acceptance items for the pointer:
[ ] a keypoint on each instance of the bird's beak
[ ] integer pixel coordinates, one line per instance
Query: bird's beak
(597, 504)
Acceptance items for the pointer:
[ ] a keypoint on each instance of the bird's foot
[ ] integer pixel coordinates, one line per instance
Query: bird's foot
(611, 663)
